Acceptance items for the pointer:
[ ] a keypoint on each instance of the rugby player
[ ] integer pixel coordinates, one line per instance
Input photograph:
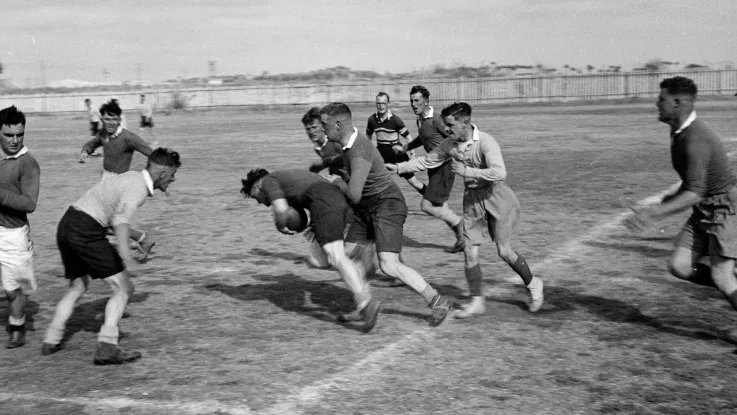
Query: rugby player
(86, 252)
(330, 153)
(147, 117)
(118, 146)
(430, 132)
(388, 127)
(708, 187)
(488, 203)
(19, 185)
(379, 207)
(329, 216)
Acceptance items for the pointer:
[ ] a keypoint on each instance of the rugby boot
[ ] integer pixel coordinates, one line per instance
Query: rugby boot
(370, 314)
(440, 306)
(17, 336)
(49, 349)
(354, 315)
(111, 354)
(144, 248)
(460, 241)
(535, 287)
(476, 307)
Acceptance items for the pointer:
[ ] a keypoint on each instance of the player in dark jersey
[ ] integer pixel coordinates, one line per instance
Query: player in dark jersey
(379, 206)
(330, 153)
(329, 214)
(388, 127)
(708, 187)
(430, 132)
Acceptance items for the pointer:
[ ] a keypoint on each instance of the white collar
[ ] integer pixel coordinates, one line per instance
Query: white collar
(117, 132)
(321, 146)
(149, 182)
(22, 151)
(691, 118)
(474, 137)
(352, 140)
(388, 115)
(429, 113)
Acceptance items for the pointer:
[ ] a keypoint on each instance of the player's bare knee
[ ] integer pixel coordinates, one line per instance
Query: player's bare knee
(506, 253)
(680, 269)
(389, 266)
(428, 207)
(12, 295)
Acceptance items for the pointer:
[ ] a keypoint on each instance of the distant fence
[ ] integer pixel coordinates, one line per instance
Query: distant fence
(485, 90)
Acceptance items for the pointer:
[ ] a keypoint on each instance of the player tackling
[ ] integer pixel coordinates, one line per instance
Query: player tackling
(488, 203)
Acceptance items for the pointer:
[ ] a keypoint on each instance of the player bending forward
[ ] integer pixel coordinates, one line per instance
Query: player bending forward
(488, 203)
(86, 252)
(329, 214)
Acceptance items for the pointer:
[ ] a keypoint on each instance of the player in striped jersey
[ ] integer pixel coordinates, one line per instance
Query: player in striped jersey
(388, 127)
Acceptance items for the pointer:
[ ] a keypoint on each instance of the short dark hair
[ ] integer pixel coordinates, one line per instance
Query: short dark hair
(251, 178)
(384, 94)
(111, 107)
(311, 115)
(164, 157)
(87, 100)
(679, 85)
(335, 109)
(457, 110)
(12, 116)
(421, 89)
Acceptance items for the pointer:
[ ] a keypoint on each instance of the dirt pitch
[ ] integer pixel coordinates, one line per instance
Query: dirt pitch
(230, 320)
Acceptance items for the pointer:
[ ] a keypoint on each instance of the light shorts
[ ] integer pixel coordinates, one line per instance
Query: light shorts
(16, 259)
(493, 209)
(107, 174)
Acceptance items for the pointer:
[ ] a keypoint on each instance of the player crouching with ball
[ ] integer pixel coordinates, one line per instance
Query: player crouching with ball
(289, 192)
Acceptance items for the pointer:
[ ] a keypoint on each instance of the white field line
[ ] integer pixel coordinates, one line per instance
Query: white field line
(139, 405)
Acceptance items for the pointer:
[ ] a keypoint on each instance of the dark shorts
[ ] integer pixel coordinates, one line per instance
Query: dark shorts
(84, 247)
(329, 212)
(439, 184)
(390, 156)
(147, 122)
(94, 128)
(380, 218)
(712, 227)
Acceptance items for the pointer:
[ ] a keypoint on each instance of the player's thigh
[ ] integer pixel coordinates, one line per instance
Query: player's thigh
(691, 244)
(329, 212)
(475, 224)
(503, 213)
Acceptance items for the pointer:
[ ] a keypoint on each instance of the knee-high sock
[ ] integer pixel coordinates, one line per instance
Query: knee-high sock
(474, 277)
(521, 268)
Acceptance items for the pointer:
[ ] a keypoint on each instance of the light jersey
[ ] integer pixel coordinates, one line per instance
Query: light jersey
(290, 185)
(699, 158)
(114, 201)
(481, 156)
(388, 130)
(145, 110)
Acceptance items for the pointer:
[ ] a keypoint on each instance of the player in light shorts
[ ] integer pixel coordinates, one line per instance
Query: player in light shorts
(19, 185)
(488, 203)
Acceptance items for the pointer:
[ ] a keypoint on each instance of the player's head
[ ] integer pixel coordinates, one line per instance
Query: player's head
(336, 120)
(382, 103)
(676, 99)
(313, 126)
(143, 98)
(419, 99)
(162, 166)
(457, 119)
(12, 130)
(88, 103)
(110, 116)
(252, 184)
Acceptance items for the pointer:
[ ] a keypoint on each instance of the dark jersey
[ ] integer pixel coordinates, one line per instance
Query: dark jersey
(366, 169)
(431, 131)
(699, 158)
(290, 185)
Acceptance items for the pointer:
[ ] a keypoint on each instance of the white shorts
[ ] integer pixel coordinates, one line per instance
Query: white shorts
(107, 174)
(16, 259)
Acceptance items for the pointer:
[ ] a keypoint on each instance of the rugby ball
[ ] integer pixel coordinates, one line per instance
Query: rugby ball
(297, 219)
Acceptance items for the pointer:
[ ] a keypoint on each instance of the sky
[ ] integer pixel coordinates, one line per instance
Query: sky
(164, 39)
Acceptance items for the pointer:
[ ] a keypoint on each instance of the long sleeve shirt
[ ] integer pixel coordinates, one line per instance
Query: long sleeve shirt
(118, 149)
(481, 155)
(20, 177)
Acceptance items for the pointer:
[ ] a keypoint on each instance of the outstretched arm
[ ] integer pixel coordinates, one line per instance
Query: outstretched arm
(279, 208)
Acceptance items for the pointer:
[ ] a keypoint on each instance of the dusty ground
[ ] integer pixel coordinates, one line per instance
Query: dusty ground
(231, 320)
